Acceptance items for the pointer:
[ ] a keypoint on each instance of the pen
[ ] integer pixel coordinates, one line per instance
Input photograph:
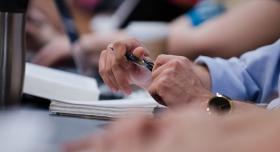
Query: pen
(149, 65)
(130, 57)
(71, 32)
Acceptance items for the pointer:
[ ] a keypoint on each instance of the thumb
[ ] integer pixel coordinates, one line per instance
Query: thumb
(141, 52)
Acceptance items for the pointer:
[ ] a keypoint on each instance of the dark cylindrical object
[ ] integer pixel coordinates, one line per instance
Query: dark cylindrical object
(12, 50)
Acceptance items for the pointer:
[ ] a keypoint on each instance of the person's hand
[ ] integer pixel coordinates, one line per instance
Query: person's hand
(91, 45)
(40, 30)
(117, 72)
(54, 51)
(175, 81)
(188, 130)
(171, 132)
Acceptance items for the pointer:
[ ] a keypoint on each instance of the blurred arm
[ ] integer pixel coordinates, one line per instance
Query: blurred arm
(251, 25)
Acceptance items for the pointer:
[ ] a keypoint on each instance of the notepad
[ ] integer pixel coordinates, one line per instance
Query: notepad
(76, 95)
(59, 85)
(107, 109)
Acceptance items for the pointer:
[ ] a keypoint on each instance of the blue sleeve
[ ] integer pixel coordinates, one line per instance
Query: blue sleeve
(252, 77)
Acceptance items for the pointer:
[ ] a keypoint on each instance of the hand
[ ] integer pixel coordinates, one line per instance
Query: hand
(91, 45)
(117, 72)
(175, 81)
(56, 50)
(190, 131)
(39, 28)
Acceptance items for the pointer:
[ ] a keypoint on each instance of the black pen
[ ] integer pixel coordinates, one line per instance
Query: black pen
(149, 65)
(130, 57)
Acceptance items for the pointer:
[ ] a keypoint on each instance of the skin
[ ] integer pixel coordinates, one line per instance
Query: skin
(172, 77)
(52, 52)
(248, 26)
(188, 130)
(168, 71)
(41, 24)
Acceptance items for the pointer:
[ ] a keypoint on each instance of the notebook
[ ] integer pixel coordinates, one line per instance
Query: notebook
(107, 109)
(76, 95)
(59, 85)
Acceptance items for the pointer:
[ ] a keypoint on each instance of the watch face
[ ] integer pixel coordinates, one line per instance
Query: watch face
(219, 104)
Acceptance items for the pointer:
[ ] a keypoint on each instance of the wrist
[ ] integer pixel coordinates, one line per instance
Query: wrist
(203, 74)
(202, 97)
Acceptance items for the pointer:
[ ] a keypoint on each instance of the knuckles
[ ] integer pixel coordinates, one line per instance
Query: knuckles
(101, 71)
(172, 61)
(115, 66)
(117, 44)
(163, 85)
(179, 62)
(161, 57)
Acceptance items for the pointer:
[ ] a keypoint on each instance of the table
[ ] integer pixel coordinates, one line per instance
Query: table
(35, 129)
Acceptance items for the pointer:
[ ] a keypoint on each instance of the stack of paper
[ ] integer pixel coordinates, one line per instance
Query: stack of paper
(76, 95)
(107, 109)
(59, 85)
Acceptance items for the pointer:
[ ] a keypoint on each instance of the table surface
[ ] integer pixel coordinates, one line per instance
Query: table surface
(60, 129)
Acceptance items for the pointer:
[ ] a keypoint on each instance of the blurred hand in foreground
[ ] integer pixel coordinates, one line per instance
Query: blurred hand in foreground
(190, 131)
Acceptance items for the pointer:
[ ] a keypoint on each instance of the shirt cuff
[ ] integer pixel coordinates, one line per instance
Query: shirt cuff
(222, 78)
(210, 63)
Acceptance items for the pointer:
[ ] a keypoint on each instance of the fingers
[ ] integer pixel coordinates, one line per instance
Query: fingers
(140, 52)
(163, 59)
(45, 58)
(81, 145)
(117, 66)
(120, 50)
(164, 69)
(111, 67)
(53, 52)
(105, 70)
(157, 92)
(164, 72)
(113, 73)
(132, 131)
(114, 67)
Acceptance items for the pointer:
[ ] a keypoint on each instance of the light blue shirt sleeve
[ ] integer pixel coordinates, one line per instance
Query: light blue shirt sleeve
(275, 104)
(252, 77)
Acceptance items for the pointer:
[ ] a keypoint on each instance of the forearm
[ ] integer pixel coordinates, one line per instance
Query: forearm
(242, 29)
(180, 38)
(245, 28)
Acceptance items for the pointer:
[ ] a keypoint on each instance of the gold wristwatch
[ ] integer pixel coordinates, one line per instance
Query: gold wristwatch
(219, 104)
